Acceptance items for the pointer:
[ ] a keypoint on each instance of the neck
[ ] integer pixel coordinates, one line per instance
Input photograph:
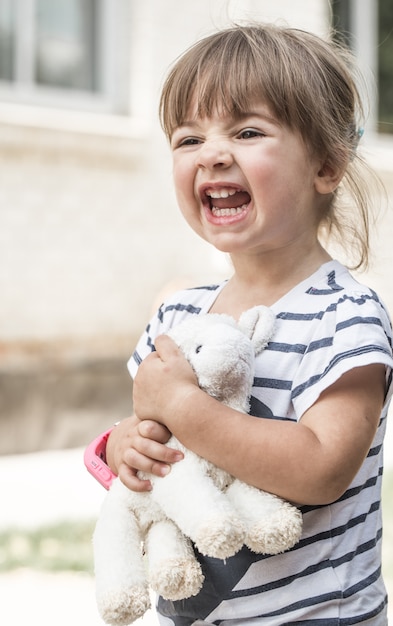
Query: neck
(279, 267)
(264, 279)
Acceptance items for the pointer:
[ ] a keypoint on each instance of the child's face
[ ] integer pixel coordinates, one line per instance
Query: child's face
(246, 184)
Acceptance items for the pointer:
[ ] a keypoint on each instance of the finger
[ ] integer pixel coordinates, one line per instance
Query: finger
(130, 479)
(153, 430)
(147, 464)
(166, 347)
(154, 451)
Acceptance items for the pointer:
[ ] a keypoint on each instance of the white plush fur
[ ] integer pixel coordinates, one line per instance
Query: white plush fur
(196, 502)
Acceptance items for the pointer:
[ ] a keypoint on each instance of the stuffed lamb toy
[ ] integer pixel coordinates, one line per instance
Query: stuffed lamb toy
(145, 540)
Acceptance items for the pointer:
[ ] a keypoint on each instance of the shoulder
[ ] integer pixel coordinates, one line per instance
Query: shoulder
(348, 326)
(357, 304)
(333, 295)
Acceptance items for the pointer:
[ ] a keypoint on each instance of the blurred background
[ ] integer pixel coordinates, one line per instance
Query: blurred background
(91, 239)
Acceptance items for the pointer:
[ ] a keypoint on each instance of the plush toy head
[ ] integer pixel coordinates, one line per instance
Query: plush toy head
(222, 351)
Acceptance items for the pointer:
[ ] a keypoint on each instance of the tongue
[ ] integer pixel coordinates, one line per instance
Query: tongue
(232, 202)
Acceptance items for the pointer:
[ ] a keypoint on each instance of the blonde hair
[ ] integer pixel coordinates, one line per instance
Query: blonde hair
(308, 84)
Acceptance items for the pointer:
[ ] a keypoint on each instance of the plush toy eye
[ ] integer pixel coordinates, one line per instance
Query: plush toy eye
(198, 349)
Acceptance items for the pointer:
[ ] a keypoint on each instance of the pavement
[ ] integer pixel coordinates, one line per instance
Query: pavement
(44, 488)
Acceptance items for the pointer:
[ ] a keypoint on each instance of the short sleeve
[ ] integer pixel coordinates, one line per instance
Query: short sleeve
(353, 332)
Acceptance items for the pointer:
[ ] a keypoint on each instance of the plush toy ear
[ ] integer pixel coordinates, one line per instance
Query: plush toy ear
(258, 324)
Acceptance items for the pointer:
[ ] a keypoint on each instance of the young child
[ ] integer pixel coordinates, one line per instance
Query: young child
(263, 124)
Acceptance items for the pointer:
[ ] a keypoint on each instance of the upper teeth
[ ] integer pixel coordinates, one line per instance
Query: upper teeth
(221, 193)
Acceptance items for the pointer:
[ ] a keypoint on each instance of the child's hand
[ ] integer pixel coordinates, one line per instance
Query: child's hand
(140, 446)
(164, 382)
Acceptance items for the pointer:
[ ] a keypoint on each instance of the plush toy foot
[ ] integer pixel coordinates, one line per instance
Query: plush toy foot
(120, 608)
(276, 533)
(220, 537)
(177, 579)
(273, 525)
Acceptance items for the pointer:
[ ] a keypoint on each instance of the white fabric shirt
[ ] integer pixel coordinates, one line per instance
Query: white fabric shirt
(326, 325)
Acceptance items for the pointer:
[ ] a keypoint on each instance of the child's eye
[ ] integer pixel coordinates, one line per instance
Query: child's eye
(250, 133)
(187, 141)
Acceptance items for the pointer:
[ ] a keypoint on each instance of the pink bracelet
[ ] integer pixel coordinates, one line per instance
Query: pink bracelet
(95, 460)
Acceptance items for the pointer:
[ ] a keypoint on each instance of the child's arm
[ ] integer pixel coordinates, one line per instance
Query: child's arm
(134, 445)
(310, 462)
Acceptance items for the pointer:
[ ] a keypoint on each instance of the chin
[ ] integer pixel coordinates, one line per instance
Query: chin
(227, 247)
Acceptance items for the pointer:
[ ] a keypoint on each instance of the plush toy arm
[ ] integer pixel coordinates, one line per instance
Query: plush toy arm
(272, 524)
(121, 584)
(189, 497)
(174, 572)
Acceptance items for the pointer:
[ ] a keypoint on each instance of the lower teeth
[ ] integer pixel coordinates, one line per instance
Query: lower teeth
(227, 212)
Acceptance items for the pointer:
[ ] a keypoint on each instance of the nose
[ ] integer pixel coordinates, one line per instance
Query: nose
(214, 154)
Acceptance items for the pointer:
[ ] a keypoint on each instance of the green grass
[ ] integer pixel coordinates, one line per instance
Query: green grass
(62, 547)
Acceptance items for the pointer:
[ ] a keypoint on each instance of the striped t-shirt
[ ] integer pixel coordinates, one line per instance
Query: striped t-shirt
(326, 325)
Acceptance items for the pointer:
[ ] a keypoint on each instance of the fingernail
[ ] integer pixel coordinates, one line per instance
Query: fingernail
(165, 470)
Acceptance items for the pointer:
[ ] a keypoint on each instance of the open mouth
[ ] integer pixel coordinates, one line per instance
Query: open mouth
(227, 201)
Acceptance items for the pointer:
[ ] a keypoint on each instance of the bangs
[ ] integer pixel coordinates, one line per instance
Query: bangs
(221, 74)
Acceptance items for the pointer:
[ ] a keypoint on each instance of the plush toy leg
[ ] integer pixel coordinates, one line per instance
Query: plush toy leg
(273, 525)
(200, 510)
(174, 572)
(121, 582)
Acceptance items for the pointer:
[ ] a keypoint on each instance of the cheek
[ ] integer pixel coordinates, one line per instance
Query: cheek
(184, 200)
(183, 180)
(182, 169)
(188, 205)
(183, 184)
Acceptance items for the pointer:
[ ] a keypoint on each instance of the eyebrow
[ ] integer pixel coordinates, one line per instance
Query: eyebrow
(265, 116)
(241, 116)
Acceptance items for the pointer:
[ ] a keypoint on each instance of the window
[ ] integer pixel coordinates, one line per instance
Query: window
(69, 53)
(65, 54)
(6, 40)
(341, 20)
(385, 70)
(352, 24)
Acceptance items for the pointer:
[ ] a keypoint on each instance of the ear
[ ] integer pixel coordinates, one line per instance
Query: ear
(328, 177)
(258, 324)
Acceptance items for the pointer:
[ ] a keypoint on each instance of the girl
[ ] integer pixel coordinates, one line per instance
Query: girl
(263, 124)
